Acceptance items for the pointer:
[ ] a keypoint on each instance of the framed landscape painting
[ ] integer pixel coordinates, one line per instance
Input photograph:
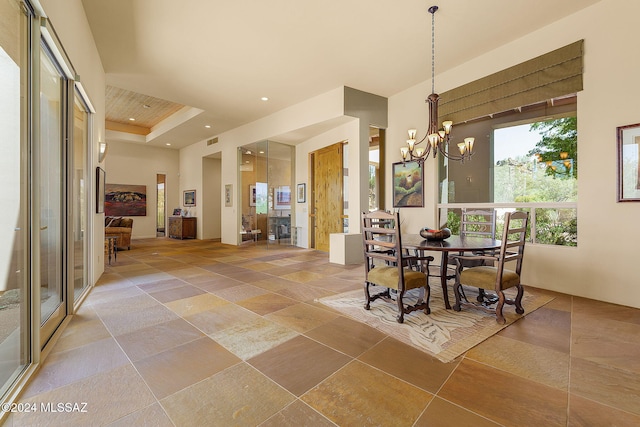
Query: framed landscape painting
(125, 200)
(408, 185)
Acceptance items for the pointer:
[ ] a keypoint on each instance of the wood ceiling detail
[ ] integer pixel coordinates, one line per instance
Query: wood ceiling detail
(122, 104)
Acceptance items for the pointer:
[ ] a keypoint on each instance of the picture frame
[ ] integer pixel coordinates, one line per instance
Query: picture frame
(252, 195)
(408, 184)
(301, 193)
(628, 145)
(100, 189)
(189, 197)
(177, 212)
(125, 200)
(228, 195)
(282, 197)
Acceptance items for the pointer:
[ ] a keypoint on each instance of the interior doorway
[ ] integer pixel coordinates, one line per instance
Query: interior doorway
(161, 210)
(327, 196)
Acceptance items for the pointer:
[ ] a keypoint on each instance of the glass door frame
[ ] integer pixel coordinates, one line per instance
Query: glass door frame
(45, 40)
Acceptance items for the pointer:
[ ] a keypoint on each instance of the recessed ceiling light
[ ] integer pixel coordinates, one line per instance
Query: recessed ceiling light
(264, 98)
(207, 126)
(132, 119)
(168, 143)
(261, 152)
(146, 106)
(248, 152)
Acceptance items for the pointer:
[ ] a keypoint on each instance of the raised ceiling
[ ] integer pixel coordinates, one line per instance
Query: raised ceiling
(220, 57)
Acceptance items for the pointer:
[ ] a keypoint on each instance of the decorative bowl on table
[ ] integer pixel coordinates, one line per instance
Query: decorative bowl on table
(432, 234)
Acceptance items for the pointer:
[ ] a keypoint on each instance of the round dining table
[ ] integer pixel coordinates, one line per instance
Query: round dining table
(454, 243)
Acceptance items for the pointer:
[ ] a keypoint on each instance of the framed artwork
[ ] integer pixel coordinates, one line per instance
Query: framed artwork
(252, 195)
(408, 185)
(189, 197)
(228, 190)
(628, 161)
(282, 198)
(177, 212)
(302, 193)
(125, 200)
(100, 189)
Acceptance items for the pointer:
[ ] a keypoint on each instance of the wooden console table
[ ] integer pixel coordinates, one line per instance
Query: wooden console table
(181, 227)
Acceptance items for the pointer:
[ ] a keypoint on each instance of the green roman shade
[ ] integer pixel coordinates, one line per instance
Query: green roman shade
(548, 76)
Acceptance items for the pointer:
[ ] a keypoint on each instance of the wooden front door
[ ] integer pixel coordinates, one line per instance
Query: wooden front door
(327, 209)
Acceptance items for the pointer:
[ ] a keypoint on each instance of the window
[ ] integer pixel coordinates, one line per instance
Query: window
(527, 161)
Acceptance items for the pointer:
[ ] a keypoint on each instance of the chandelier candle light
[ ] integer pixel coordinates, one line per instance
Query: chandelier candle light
(437, 139)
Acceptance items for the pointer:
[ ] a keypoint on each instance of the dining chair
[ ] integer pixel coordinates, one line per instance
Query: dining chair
(388, 267)
(496, 276)
(473, 223)
(477, 222)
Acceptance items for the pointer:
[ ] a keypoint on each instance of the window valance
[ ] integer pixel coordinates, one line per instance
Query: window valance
(548, 76)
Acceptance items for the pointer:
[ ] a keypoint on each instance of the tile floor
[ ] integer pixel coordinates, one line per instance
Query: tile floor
(196, 333)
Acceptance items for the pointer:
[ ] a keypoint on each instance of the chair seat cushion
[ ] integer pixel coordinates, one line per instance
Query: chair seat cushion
(388, 277)
(485, 277)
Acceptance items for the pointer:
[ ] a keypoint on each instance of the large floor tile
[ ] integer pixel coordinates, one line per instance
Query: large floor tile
(246, 340)
(441, 413)
(533, 362)
(238, 396)
(606, 384)
(409, 364)
(267, 303)
(347, 336)
(109, 396)
(222, 317)
(195, 304)
(587, 413)
(299, 364)
(359, 395)
(152, 416)
(154, 339)
(607, 342)
(65, 367)
(544, 327)
(297, 414)
(168, 372)
(503, 397)
(302, 317)
(180, 292)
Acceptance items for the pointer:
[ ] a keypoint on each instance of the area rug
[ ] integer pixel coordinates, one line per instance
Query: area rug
(444, 334)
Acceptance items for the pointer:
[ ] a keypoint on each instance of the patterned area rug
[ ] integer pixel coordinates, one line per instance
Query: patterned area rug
(445, 334)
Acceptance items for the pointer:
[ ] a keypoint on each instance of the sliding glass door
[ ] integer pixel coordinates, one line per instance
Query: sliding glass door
(50, 156)
(14, 269)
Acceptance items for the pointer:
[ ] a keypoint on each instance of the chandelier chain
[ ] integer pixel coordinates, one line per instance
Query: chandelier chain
(433, 53)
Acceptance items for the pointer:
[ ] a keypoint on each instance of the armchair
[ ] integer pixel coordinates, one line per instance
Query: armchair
(385, 265)
(120, 227)
(496, 276)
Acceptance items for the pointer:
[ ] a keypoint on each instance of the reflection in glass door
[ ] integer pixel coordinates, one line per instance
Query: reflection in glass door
(266, 196)
(51, 194)
(79, 198)
(14, 269)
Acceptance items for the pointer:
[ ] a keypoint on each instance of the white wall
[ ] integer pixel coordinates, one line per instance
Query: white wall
(72, 28)
(137, 164)
(603, 265)
(209, 223)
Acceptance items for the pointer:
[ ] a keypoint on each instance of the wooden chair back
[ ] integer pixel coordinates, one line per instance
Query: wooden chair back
(513, 241)
(382, 240)
(478, 223)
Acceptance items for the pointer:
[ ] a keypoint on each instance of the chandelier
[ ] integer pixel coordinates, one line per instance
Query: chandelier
(437, 139)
